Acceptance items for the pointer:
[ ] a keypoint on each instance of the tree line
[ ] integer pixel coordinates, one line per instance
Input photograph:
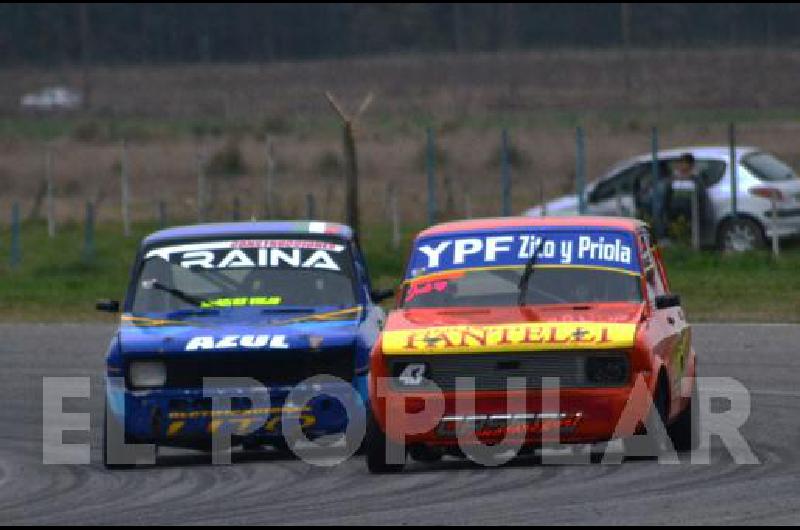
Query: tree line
(57, 34)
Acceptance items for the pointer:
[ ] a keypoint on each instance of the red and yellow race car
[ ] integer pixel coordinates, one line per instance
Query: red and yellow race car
(519, 332)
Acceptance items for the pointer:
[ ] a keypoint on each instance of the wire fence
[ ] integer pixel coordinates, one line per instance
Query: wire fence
(223, 193)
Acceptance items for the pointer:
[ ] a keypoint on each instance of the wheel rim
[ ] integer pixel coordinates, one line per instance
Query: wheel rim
(740, 237)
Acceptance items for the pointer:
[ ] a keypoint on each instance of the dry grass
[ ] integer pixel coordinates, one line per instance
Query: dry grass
(540, 96)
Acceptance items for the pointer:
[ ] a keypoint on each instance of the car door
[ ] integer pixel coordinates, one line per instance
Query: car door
(615, 195)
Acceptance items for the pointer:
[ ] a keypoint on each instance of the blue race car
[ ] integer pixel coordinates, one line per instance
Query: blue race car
(258, 306)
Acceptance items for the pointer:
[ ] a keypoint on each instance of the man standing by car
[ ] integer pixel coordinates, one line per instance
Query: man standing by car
(661, 202)
(686, 171)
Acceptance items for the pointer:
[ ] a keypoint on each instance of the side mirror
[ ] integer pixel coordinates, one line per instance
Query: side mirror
(109, 306)
(665, 301)
(381, 294)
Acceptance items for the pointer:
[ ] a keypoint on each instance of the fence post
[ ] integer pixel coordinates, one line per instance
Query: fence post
(237, 206)
(655, 201)
(776, 245)
(15, 254)
(430, 166)
(541, 196)
(162, 214)
(505, 174)
(88, 233)
(395, 219)
(125, 190)
(580, 169)
(50, 193)
(201, 185)
(696, 214)
(269, 179)
(310, 207)
(734, 168)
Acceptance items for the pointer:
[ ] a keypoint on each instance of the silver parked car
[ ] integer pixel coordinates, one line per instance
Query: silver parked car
(761, 180)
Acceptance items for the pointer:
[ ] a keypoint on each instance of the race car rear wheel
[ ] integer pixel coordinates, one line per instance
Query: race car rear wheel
(376, 448)
(685, 431)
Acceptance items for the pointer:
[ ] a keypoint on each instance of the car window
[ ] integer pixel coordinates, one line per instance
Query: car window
(650, 268)
(766, 167)
(621, 183)
(280, 272)
(497, 268)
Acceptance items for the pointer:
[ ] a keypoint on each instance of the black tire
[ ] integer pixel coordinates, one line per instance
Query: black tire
(653, 444)
(685, 431)
(376, 444)
(741, 234)
(425, 454)
(106, 463)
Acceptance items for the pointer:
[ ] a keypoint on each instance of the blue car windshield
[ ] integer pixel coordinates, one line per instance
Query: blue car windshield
(272, 274)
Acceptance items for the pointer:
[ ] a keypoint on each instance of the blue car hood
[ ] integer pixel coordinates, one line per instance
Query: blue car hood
(213, 334)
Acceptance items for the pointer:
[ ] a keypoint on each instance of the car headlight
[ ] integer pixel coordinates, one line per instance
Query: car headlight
(147, 374)
(607, 370)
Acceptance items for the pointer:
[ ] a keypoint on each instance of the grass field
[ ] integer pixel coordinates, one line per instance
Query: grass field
(55, 282)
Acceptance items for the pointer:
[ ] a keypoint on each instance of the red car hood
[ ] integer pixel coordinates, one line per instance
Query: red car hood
(474, 330)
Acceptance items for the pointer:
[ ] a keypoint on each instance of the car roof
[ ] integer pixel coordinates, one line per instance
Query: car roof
(589, 222)
(714, 152)
(238, 229)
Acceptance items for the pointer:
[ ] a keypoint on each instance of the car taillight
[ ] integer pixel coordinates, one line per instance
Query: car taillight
(767, 193)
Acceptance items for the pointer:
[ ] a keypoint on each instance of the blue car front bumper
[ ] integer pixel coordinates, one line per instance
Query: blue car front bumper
(186, 417)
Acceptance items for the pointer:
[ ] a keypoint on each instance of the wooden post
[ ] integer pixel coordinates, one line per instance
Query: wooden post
(50, 193)
(350, 158)
(125, 190)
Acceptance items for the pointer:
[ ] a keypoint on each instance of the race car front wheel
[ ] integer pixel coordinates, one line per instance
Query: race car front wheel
(377, 447)
(656, 440)
(110, 421)
(685, 431)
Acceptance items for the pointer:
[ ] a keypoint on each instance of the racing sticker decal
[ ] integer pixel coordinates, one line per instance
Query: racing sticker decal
(207, 342)
(599, 249)
(262, 253)
(538, 336)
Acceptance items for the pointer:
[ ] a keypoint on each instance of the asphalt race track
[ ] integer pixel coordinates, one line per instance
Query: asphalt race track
(269, 488)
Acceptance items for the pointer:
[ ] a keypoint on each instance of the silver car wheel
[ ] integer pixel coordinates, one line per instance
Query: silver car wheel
(741, 236)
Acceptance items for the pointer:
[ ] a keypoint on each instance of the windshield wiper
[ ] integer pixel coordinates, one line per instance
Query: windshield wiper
(527, 274)
(177, 293)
